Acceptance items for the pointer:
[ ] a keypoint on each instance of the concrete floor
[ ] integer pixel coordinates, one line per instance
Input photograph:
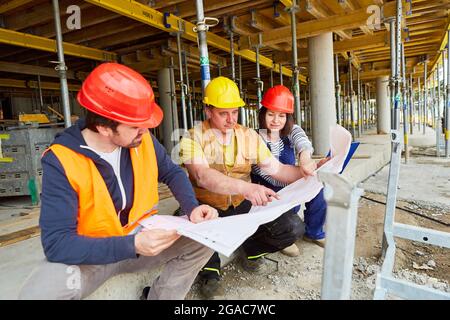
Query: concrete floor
(17, 260)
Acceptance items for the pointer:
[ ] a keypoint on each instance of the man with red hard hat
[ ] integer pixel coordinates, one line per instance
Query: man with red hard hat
(100, 180)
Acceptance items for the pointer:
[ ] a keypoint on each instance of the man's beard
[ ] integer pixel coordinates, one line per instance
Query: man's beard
(135, 143)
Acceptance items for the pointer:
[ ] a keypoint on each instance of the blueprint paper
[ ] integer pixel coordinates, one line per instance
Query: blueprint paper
(225, 235)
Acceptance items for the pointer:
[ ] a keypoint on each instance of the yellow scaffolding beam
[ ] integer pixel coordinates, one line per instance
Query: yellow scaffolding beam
(10, 5)
(171, 23)
(444, 43)
(40, 43)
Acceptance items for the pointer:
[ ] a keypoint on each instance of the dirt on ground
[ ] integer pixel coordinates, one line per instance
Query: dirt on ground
(300, 277)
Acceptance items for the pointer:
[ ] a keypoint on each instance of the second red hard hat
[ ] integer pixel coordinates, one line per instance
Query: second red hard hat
(279, 98)
(119, 93)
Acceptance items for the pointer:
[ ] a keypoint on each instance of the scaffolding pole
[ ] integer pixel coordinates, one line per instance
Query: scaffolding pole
(173, 100)
(388, 246)
(61, 66)
(438, 112)
(393, 71)
(295, 70)
(338, 89)
(259, 83)
(419, 105)
(425, 94)
(447, 109)
(344, 105)
(405, 104)
(182, 84)
(352, 111)
(41, 99)
(411, 103)
(359, 113)
(271, 78)
(243, 112)
(188, 92)
(281, 73)
(201, 30)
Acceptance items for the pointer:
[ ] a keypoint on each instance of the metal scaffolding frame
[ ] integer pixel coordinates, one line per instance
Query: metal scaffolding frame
(342, 198)
(386, 283)
(447, 109)
(61, 66)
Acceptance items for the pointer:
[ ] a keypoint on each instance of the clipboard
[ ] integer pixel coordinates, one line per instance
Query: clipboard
(351, 151)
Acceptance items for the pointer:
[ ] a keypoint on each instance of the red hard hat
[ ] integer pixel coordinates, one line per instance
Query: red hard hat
(279, 98)
(119, 93)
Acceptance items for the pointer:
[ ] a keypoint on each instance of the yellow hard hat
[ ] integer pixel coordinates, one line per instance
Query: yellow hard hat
(223, 93)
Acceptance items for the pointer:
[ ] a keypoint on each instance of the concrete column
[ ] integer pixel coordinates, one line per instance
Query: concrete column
(170, 120)
(322, 94)
(383, 108)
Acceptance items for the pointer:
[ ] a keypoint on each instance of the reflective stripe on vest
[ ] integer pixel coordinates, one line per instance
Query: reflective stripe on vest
(97, 216)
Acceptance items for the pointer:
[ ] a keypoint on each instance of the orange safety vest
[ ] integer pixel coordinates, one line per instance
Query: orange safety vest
(247, 142)
(97, 216)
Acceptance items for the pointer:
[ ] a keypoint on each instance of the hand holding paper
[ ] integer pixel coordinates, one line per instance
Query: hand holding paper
(225, 235)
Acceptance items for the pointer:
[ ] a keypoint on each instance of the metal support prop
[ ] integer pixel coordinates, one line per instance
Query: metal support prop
(411, 104)
(295, 70)
(444, 88)
(182, 84)
(271, 78)
(366, 107)
(405, 105)
(447, 107)
(188, 92)
(419, 105)
(61, 67)
(359, 113)
(369, 107)
(259, 83)
(243, 113)
(195, 104)
(352, 111)
(309, 108)
(393, 71)
(41, 99)
(425, 94)
(233, 69)
(338, 89)
(201, 30)
(437, 105)
(344, 105)
(342, 199)
(394, 167)
(433, 99)
(305, 108)
(173, 101)
(233, 66)
(281, 74)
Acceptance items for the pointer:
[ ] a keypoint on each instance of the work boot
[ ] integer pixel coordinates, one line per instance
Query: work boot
(144, 294)
(291, 251)
(252, 265)
(210, 288)
(319, 242)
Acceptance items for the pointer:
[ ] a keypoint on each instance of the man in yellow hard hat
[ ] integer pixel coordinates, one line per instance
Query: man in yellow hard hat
(219, 154)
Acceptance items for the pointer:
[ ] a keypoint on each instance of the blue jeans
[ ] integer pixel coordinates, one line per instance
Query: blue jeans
(314, 216)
